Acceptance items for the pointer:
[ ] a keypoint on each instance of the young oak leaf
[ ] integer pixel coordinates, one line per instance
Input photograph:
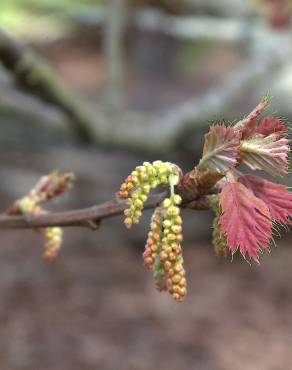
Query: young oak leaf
(245, 220)
(271, 125)
(276, 196)
(220, 149)
(248, 125)
(269, 154)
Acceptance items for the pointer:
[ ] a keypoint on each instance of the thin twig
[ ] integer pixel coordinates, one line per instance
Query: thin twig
(86, 217)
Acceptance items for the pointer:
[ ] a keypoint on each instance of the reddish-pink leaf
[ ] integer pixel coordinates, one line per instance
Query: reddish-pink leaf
(271, 125)
(247, 125)
(245, 220)
(276, 196)
(220, 149)
(250, 128)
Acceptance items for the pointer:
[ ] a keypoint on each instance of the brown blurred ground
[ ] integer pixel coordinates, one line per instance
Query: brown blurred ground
(96, 308)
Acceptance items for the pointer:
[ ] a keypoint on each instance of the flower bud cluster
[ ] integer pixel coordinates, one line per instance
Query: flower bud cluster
(153, 243)
(27, 205)
(53, 242)
(171, 252)
(137, 186)
(163, 252)
(46, 189)
(159, 276)
(51, 186)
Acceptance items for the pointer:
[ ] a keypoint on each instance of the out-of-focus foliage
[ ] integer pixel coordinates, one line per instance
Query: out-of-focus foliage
(30, 18)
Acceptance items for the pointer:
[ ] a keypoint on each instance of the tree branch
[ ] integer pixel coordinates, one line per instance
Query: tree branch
(195, 27)
(86, 217)
(36, 77)
(154, 133)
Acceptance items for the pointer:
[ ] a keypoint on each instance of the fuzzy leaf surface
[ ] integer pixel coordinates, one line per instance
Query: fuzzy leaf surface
(247, 126)
(271, 125)
(276, 196)
(245, 220)
(220, 149)
(269, 154)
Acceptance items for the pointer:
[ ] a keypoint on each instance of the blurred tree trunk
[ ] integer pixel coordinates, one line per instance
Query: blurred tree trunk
(114, 31)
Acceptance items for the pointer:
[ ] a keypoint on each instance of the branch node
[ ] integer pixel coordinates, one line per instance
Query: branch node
(94, 224)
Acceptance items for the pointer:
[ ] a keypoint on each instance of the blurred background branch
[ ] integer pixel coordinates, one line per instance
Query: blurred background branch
(114, 34)
(35, 77)
(112, 122)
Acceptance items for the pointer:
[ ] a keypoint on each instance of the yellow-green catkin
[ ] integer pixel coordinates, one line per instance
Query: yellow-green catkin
(219, 241)
(153, 243)
(137, 186)
(27, 205)
(170, 256)
(47, 188)
(153, 249)
(159, 276)
(53, 242)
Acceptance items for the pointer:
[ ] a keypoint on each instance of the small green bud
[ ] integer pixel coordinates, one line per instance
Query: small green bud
(167, 223)
(27, 205)
(177, 199)
(138, 203)
(172, 211)
(164, 179)
(157, 164)
(127, 212)
(166, 203)
(128, 222)
(176, 229)
(137, 214)
(146, 189)
(154, 183)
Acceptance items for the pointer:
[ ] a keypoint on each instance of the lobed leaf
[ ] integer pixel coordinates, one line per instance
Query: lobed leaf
(245, 220)
(247, 126)
(220, 149)
(271, 125)
(276, 196)
(268, 153)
